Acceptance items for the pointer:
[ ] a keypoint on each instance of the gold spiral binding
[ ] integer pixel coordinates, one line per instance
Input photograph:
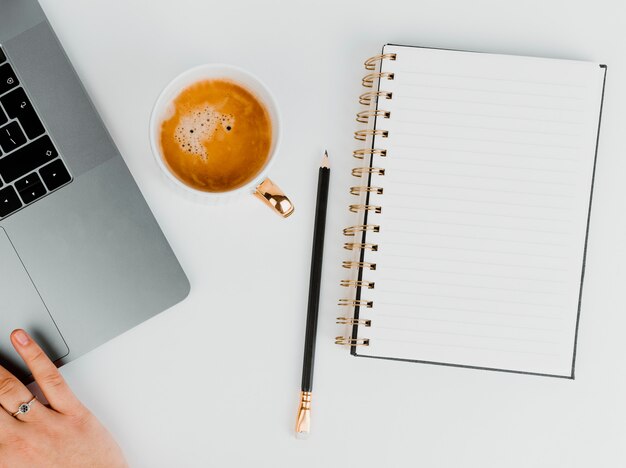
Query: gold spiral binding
(361, 153)
(370, 63)
(369, 80)
(371, 99)
(350, 264)
(352, 230)
(367, 97)
(364, 116)
(356, 303)
(361, 171)
(359, 189)
(360, 246)
(362, 135)
(347, 341)
(353, 321)
(357, 284)
(358, 208)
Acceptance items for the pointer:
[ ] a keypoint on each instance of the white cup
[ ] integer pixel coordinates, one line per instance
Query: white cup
(261, 186)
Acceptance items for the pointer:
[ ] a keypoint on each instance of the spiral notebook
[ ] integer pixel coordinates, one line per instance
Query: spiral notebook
(472, 203)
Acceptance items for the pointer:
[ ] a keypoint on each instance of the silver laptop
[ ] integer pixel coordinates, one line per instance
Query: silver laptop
(82, 258)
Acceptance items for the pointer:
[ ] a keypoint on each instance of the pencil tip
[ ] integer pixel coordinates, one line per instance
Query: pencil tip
(325, 160)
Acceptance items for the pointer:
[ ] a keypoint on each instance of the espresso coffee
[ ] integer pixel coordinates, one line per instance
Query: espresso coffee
(217, 137)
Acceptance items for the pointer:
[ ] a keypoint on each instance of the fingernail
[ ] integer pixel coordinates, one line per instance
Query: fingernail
(21, 337)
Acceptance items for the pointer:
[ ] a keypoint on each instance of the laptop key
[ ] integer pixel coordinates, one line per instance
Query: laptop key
(27, 159)
(3, 118)
(8, 79)
(54, 175)
(11, 137)
(9, 201)
(17, 106)
(27, 182)
(32, 193)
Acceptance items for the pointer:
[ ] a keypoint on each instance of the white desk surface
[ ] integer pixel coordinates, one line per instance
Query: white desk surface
(214, 381)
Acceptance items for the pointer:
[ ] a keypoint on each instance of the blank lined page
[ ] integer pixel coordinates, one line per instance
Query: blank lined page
(485, 204)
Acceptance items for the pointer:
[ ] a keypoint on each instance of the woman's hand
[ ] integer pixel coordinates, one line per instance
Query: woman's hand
(64, 435)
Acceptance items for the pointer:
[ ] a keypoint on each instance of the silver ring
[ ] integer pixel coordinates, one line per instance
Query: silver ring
(24, 408)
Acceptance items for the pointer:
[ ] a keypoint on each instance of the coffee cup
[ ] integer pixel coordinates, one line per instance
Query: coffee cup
(244, 82)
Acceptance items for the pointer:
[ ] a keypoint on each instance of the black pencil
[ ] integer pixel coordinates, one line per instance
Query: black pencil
(303, 422)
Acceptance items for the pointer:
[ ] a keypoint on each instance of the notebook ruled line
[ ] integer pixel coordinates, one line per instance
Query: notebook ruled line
(450, 223)
(472, 335)
(491, 251)
(489, 116)
(489, 78)
(501, 166)
(487, 91)
(494, 226)
(498, 215)
(484, 103)
(472, 274)
(464, 322)
(458, 309)
(480, 127)
(469, 298)
(480, 189)
(488, 202)
(459, 236)
(473, 176)
(492, 153)
(483, 140)
(469, 347)
(463, 285)
(473, 262)
(474, 286)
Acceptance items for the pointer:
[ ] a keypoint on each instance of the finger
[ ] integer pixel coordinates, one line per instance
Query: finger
(8, 425)
(46, 374)
(14, 393)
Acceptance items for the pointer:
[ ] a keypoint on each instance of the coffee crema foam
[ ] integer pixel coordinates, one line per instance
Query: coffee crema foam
(217, 137)
(199, 126)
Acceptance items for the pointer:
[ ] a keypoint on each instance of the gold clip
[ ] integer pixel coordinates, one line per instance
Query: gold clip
(271, 194)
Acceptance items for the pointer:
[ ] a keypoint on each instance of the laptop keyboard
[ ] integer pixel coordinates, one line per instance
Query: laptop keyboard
(30, 166)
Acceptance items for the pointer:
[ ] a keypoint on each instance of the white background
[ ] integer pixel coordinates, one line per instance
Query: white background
(214, 381)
